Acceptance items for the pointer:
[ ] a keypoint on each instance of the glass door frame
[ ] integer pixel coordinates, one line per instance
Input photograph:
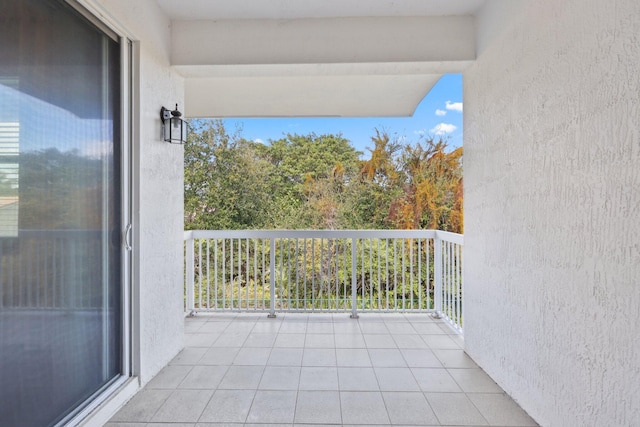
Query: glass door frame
(129, 137)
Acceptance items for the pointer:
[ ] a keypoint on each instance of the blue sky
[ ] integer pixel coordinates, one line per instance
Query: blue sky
(438, 114)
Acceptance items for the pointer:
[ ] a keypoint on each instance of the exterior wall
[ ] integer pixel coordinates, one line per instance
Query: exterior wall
(158, 195)
(552, 179)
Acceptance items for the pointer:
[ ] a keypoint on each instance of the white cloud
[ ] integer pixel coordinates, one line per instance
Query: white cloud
(454, 106)
(258, 140)
(420, 132)
(441, 112)
(443, 129)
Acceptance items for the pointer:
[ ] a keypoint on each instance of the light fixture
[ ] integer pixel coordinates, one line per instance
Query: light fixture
(174, 129)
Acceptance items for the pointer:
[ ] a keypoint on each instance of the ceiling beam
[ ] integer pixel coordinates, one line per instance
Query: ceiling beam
(345, 67)
(323, 41)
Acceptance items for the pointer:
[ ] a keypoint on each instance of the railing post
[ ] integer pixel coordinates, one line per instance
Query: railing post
(437, 273)
(190, 269)
(272, 279)
(354, 281)
(462, 289)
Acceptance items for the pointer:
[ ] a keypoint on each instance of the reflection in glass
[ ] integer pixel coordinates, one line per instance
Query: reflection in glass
(60, 192)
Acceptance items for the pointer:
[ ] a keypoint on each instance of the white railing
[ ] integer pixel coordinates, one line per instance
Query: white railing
(325, 270)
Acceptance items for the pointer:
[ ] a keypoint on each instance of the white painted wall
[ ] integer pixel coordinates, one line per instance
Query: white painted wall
(158, 206)
(552, 203)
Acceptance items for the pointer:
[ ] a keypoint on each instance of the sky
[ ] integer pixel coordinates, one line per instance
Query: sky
(439, 114)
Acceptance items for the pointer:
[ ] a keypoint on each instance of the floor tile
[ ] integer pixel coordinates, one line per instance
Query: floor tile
(409, 408)
(447, 328)
(319, 357)
(379, 341)
(230, 340)
(357, 379)
(214, 327)
(420, 358)
(455, 409)
(290, 340)
(318, 378)
(220, 356)
(386, 358)
(200, 340)
(260, 340)
(373, 328)
(393, 317)
(295, 317)
(280, 378)
(247, 370)
(258, 425)
(320, 328)
(293, 328)
(124, 424)
(454, 359)
(474, 381)
(410, 341)
(435, 380)
(351, 340)
(252, 356)
(242, 377)
(239, 327)
(349, 326)
(319, 341)
(267, 327)
(285, 357)
(169, 377)
(400, 328)
(228, 406)
(318, 407)
(320, 318)
(396, 379)
(189, 356)
(204, 377)
(428, 329)
(142, 406)
(353, 357)
(183, 406)
(170, 425)
(440, 342)
(501, 410)
(273, 407)
(366, 408)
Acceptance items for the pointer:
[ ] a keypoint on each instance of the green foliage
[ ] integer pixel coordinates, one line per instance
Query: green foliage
(317, 182)
(226, 185)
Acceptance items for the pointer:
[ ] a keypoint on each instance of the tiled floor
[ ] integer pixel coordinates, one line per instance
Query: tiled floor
(320, 369)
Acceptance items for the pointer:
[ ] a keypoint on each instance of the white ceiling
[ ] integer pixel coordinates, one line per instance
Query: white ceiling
(295, 9)
(268, 58)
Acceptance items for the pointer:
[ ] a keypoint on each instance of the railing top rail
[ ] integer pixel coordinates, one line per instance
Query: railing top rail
(450, 237)
(316, 234)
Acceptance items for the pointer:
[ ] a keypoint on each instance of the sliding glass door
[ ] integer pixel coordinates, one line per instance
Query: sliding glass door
(60, 212)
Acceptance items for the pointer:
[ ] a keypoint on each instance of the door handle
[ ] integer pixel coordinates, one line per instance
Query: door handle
(127, 240)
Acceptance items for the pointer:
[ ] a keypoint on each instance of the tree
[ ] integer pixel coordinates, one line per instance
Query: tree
(317, 181)
(432, 194)
(227, 186)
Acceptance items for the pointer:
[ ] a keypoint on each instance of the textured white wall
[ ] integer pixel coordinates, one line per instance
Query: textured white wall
(552, 203)
(158, 207)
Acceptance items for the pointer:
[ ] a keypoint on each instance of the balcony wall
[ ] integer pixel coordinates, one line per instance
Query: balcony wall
(552, 139)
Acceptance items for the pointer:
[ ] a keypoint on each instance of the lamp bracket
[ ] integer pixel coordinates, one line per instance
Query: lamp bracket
(165, 114)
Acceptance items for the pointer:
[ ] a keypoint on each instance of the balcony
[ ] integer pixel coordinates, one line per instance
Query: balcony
(323, 328)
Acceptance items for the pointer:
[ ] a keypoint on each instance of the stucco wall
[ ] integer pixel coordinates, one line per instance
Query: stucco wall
(552, 207)
(158, 207)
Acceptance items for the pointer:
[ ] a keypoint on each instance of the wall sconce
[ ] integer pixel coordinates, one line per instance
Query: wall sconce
(174, 129)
